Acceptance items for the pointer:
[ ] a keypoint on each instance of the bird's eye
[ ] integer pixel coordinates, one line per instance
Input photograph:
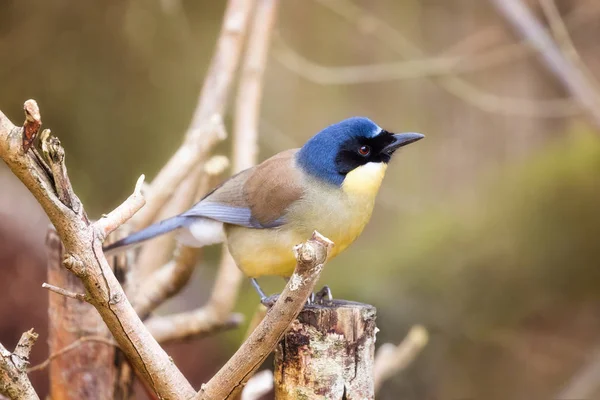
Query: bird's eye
(364, 150)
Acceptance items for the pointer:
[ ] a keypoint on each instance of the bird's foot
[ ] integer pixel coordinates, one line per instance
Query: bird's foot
(320, 297)
(258, 289)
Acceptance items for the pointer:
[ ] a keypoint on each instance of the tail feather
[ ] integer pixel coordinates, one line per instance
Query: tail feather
(150, 232)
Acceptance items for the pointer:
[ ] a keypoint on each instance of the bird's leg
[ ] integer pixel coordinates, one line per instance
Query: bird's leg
(260, 292)
(321, 295)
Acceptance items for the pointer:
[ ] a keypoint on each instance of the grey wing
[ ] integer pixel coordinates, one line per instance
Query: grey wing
(255, 198)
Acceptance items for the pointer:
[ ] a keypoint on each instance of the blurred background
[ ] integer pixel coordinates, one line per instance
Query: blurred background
(486, 232)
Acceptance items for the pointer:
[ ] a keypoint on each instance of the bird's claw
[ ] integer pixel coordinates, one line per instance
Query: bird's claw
(321, 296)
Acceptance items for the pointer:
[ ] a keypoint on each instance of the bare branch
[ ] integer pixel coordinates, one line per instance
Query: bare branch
(84, 257)
(14, 382)
(44, 364)
(120, 215)
(202, 179)
(367, 22)
(216, 312)
(523, 20)
(189, 325)
(166, 282)
(171, 278)
(230, 379)
(153, 257)
(206, 128)
(391, 359)
(248, 100)
(64, 292)
(561, 35)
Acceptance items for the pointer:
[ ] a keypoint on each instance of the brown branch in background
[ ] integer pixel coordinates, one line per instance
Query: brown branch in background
(206, 128)
(229, 381)
(191, 325)
(14, 382)
(172, 277)
(84, 258)
(160, 251)
(245, 140)
(259, 315)
(460, 58)
(216, 313)
(392, 359)
(195, 186)
(368, 23)
(585, 383)
(73, 346)
(561, 35)
(249, 95)
(214, 316)
(89, 369)
(166, 282)
(572, 78)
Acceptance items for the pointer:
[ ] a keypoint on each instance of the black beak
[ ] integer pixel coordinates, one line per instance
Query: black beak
(401, 139)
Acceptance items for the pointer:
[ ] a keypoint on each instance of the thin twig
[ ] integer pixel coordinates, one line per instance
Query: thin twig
(471, 94)
(191, 325)
(525, 22)
(44, 364)
(450, 61)
(64, 292)
(230, 379)
(122, 213)
(561, 35)
(391, 359)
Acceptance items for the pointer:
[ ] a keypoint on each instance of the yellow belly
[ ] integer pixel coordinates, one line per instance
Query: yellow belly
(338, 213)
(259, 252)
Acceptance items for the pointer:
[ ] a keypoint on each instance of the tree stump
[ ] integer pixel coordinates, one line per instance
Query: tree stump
(328, 353)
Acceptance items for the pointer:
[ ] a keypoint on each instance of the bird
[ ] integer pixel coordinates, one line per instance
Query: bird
(329, 185)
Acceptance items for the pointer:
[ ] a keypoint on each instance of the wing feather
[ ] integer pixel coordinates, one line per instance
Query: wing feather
(255, 198)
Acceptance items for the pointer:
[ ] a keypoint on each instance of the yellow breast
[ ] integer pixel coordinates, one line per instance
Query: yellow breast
(340, 215)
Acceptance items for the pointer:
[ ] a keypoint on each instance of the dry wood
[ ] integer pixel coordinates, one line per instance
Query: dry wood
(84, 257)
(14, 382)
(328, 353)
(89, 368)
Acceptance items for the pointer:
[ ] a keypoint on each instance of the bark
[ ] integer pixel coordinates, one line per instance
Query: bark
(328, 354)
(88, 370)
